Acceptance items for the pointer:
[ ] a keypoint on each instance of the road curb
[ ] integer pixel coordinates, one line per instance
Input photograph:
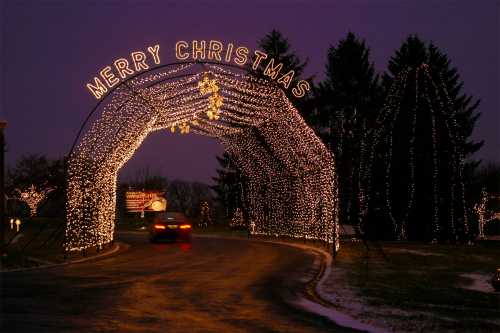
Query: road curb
(116, 248)
(318, 302)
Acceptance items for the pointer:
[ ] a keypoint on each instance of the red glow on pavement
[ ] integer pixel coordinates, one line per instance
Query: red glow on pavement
(184, 247)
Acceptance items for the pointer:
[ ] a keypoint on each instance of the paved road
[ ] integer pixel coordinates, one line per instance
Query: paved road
(210, 285)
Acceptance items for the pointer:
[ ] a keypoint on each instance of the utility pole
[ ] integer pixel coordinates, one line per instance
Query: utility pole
(3, 124)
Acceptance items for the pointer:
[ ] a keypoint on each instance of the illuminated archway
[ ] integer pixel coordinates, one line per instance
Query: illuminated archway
(291, 178)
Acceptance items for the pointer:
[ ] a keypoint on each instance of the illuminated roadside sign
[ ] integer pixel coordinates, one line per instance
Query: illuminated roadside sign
(145, 201)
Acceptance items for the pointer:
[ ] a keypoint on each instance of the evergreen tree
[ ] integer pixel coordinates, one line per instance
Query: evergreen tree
(228, 186)
(417, 174)
(347, 102)
(277, 47)
(413, 53)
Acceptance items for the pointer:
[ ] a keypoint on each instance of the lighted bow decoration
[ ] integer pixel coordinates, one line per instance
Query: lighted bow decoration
(215, 101)
(184, 127)
(34, 197)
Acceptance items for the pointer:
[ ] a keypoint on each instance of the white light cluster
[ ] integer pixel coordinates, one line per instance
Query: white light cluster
(205, 216)
(33, 197)
(237, 221)
(485, 215)
(291, 175)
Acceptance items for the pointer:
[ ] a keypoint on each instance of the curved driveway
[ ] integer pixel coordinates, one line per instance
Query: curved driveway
(211, 285)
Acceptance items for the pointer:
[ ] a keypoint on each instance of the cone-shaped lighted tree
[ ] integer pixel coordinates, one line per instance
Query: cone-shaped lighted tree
(237, 221)
(417, 153)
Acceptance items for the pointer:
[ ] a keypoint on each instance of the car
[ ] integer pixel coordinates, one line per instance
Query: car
(495, 281)
(170, 226)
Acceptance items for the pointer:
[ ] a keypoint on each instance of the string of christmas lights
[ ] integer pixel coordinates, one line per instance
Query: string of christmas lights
(33, 197)
(485, 215)
(292, 187)
(205, 216)
(237, 220)
(447, 187)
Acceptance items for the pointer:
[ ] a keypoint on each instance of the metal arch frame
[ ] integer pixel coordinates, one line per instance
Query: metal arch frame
(124, 83)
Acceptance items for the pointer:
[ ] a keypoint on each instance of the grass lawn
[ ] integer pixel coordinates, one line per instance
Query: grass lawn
(418, 287)
(39, 241)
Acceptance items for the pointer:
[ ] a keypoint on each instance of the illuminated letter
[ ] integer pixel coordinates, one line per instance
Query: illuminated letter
(259, 55)
(215, 48)
(198, 50)
(286, 79)
(155, 52)
(271, 70)
(139, 59)
(108, 76)
(122, 68)
(178, 52)
(229, 51)
(98, 90)
(301, 89)
(241, 55)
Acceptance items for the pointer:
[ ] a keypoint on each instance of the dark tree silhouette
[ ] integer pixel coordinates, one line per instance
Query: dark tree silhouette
(43, 173)
(347, 102)
(487, 176)
(229, 186)
(415, 52)
(35, 170)
(182, 196)
(417, 176)
(278, 48)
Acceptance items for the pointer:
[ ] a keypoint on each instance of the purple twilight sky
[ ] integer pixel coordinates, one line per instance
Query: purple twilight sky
(50, 49)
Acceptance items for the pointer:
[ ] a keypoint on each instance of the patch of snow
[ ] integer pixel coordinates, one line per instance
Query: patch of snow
(417, 252)
(336, 316)
(340, 318)
(17, 238)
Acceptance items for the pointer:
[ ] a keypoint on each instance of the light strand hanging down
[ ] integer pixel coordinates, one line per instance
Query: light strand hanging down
(404, 174)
